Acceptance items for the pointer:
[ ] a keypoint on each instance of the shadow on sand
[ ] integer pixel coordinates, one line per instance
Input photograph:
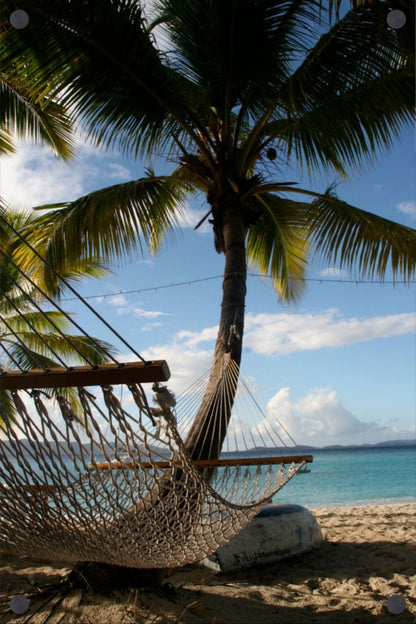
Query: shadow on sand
(340, 582)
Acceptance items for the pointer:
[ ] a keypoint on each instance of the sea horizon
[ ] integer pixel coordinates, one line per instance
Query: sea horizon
(354, 476)
(308, 447)
(345, 476)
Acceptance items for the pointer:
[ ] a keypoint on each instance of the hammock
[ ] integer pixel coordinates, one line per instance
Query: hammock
(114, 482)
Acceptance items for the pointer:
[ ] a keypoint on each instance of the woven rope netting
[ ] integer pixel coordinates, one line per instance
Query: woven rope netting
(115, 488)
(110, 479)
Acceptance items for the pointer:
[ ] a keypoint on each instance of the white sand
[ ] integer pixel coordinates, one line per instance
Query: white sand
(368, 555)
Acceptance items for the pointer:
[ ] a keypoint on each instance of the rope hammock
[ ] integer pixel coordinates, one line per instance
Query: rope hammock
(111, 480)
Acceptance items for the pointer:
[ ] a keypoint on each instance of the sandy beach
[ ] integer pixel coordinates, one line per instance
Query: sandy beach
(368, 555)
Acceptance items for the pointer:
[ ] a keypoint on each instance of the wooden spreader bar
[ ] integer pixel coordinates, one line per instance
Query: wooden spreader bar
(48, 489)
(106, 374)
(208, 463)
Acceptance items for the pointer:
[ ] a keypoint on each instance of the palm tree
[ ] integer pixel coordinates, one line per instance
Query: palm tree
(228, 92)
(32, 336)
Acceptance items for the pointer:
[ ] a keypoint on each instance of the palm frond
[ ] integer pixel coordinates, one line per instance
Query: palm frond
(127, 105)
(26, 266)
(39, 350)
(351, 95)
(358, 240)
(29, 354)
(12, 298)
(236, 52)
(339, 135)
(37, 118)
(40, 321)
(111, 222)
(31, 336)
(48, 279)
(334, 6)
(7, 407)
(277, 244)
(6, 142)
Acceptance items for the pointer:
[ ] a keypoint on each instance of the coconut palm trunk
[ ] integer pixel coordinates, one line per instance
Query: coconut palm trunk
(207, 433)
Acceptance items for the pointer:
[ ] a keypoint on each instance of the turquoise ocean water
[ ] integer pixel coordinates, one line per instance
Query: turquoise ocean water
(340, 477)
(357, 476)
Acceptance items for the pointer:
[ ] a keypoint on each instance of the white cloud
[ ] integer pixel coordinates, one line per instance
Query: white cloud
(186, 364)
(192, 339)
(282, 334)
(150, 327)
(323, 407)
(333, 272)
(118, 172)
(319, 419)
(190, 217)
(408, 208)
(150, 314)
(35, 176)
(117, 300)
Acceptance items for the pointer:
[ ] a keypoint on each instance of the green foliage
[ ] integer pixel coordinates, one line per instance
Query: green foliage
(31, 335)
(278, 244)
(112, 221)
(213, 85)
(38, 118)
(354, 239)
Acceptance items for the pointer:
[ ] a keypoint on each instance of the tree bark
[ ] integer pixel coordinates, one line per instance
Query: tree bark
(207, 433)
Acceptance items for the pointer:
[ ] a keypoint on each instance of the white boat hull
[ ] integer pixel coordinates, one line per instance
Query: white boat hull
(279, 531)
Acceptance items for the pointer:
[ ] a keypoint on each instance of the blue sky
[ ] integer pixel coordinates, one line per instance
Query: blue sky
(338, 368)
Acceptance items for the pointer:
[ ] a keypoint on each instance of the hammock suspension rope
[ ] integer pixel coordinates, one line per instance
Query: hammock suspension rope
(109, 478)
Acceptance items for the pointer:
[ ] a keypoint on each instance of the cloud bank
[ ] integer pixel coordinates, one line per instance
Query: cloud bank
(283, 334)
(320, 419)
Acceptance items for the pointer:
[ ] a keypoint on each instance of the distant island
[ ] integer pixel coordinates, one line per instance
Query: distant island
(260, 451)
(389, 443)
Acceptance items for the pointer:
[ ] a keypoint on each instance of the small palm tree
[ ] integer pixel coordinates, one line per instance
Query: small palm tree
(32, 336)
(229, 92)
